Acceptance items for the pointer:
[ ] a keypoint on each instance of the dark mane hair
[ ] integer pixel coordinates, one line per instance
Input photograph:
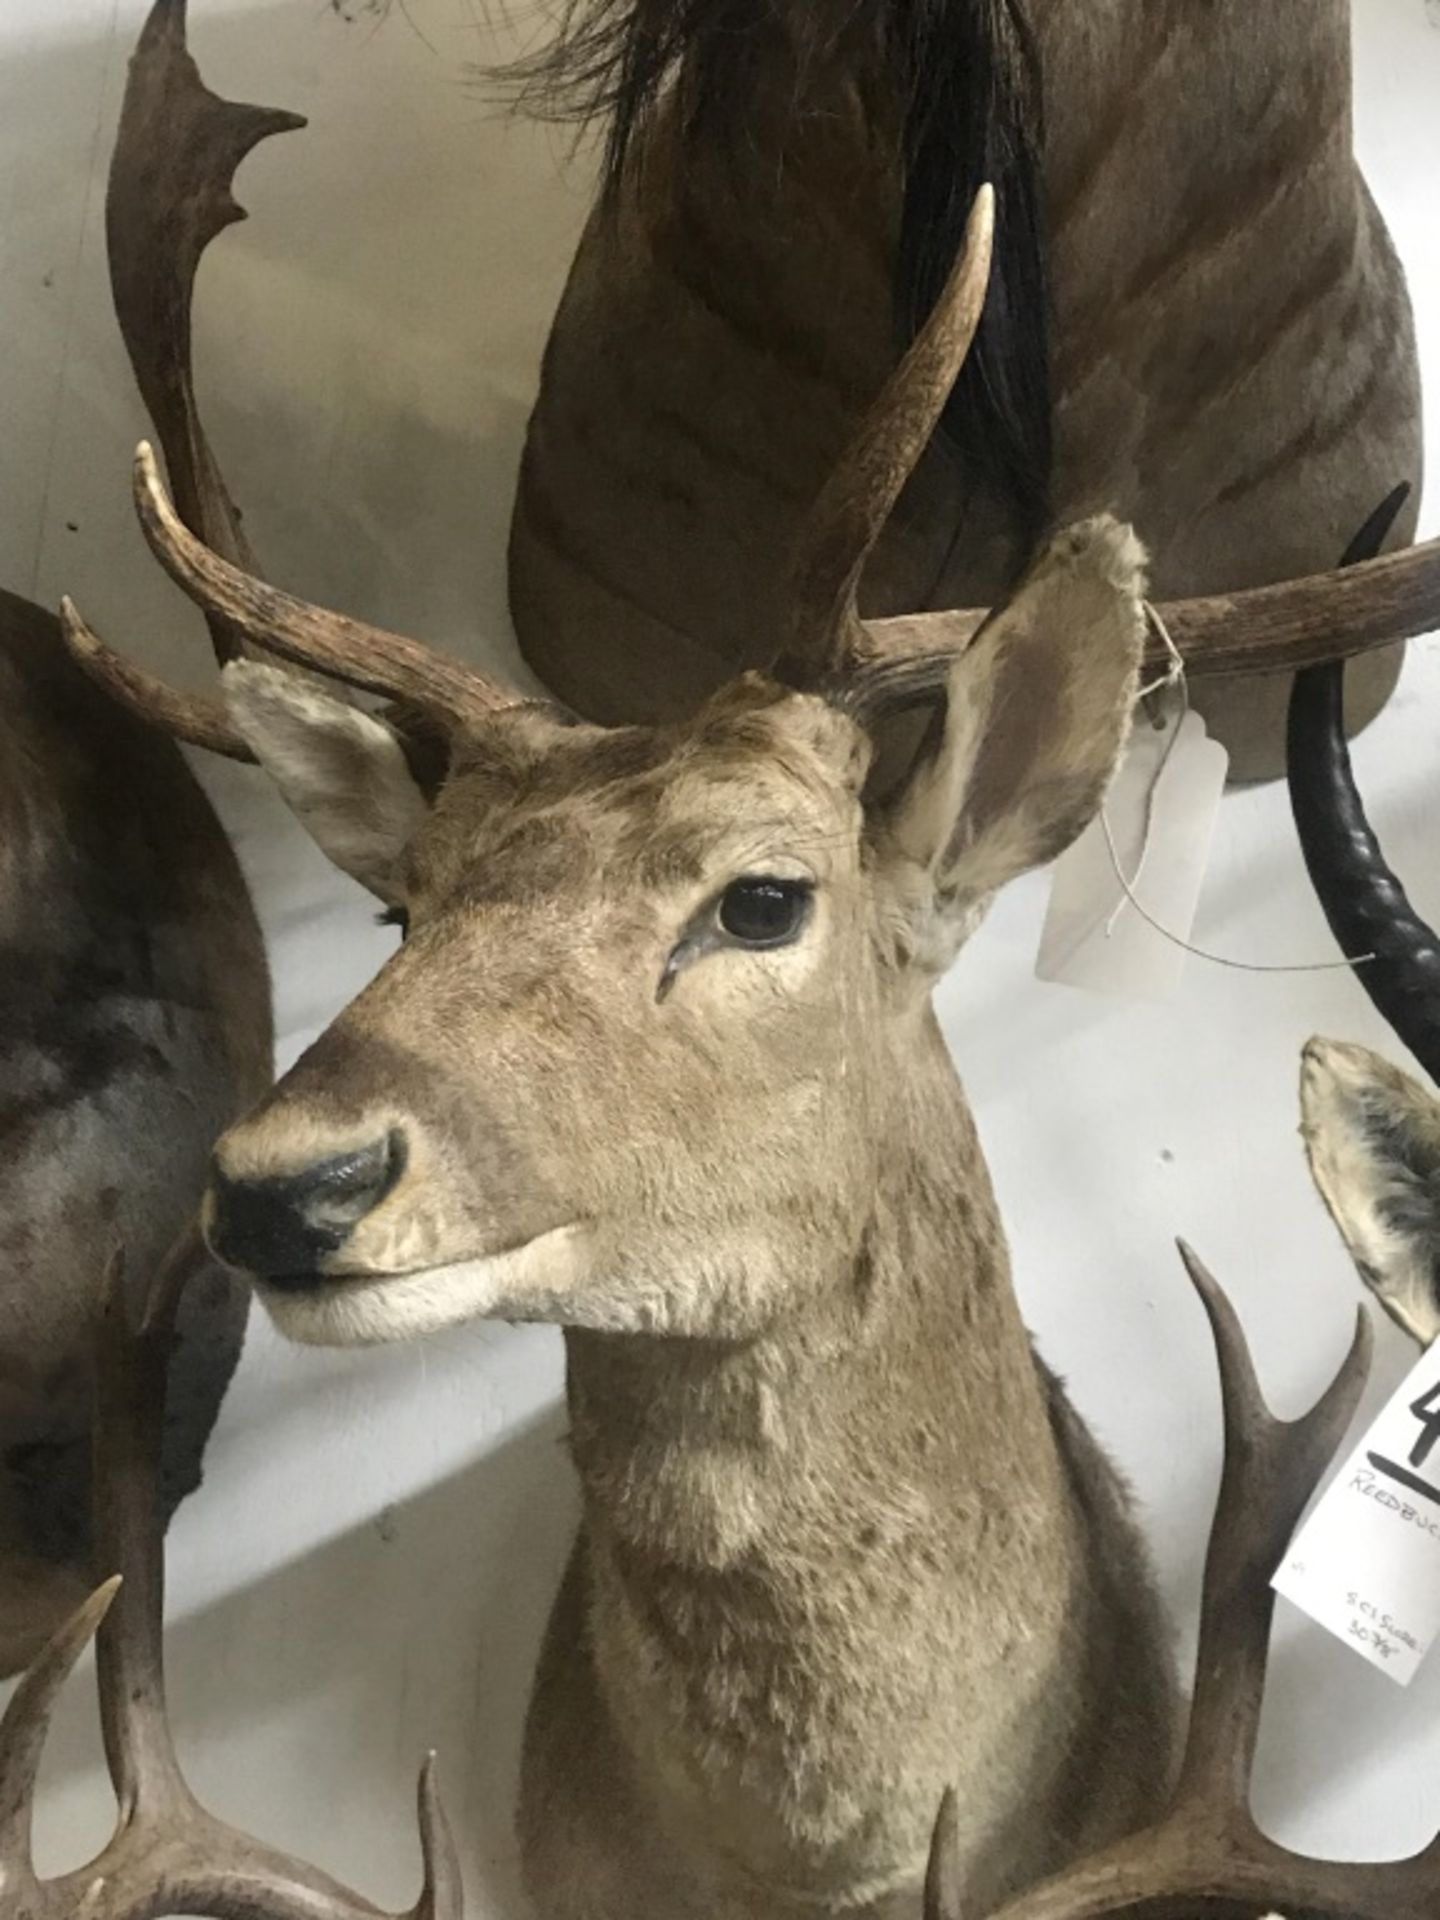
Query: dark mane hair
(960, 78)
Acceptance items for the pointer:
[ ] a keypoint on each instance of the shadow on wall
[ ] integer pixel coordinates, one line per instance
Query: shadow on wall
(304, 1705)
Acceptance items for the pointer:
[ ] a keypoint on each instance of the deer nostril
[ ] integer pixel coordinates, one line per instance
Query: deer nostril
(342, 1191)
(288, 1225)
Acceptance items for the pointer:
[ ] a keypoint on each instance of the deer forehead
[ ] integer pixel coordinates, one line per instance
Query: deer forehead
(536, 809)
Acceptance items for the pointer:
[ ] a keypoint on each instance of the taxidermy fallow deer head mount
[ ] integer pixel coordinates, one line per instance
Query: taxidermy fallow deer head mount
(918, 764)
(805, 855)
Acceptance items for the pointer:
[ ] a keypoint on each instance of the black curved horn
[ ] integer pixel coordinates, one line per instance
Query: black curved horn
(1365, 904)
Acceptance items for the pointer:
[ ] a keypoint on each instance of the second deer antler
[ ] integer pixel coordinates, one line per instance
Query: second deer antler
(168, 1854)
(1207, 1859)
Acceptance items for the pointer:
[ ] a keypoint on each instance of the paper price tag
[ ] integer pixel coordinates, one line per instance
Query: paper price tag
(1366, 1564)
(1161, 813)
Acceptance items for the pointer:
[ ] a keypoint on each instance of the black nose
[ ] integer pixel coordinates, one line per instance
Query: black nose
(284, 1229)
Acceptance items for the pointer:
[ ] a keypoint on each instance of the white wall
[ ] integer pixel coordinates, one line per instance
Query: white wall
(368, 1569)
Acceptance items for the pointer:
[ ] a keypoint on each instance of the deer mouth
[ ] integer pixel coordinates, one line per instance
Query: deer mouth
(533, 1280)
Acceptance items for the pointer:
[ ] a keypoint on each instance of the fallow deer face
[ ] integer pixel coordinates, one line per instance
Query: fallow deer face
(619, 1041)
(649, 1035)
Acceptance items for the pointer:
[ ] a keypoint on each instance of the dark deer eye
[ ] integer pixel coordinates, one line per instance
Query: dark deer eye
(764, 912)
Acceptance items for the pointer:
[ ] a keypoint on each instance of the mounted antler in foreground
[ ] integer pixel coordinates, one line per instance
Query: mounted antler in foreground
(168, 1855)
(1206, 1859)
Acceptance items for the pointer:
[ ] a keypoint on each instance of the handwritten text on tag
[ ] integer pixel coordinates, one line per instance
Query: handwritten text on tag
(1366, 1564)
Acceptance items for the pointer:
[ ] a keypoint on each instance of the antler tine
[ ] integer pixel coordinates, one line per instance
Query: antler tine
(26, 1724)
(942, 1872)
(130, 1378)
(349, 650)
(1271, 1467)
(195, 718)
(856, 501)
(443, 1897)
(171, 192)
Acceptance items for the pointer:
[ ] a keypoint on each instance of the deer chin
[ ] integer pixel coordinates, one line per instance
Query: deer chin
(543, 1279)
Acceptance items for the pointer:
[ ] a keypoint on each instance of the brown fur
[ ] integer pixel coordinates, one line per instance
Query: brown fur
(844, 1542)
(134, 1024)
(1232, 345)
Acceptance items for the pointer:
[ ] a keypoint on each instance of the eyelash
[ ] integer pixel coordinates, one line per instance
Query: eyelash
(395, 917)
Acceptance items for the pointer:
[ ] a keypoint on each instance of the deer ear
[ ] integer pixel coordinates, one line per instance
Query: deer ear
(1035, 714)
(1373, 1137)
(342, 772)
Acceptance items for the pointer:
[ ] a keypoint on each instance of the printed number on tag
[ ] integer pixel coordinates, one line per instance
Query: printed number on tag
(1366, 1564)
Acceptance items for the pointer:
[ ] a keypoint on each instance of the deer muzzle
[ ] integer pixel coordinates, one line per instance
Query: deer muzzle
(285, 1228)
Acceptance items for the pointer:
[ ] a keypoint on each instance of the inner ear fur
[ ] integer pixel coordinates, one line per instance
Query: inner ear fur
(344, 773)
(1011, 759)
(1372, 1134)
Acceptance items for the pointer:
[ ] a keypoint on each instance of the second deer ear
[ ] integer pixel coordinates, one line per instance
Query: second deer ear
(343, 773)
(1036, 712)
(1373, 1137)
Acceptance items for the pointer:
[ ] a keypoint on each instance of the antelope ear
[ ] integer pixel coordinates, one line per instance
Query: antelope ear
(342, 772)
(1036, 712)
(1373, 1137)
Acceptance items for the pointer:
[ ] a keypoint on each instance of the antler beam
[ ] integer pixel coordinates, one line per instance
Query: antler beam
(1283, 628)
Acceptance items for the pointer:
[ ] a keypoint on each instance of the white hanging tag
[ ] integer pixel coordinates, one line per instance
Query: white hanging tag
(1161, 814)
(1366, 1564)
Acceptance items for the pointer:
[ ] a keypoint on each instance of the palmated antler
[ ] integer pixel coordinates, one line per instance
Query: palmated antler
(1206, 1859)
(170, 194)
(168, 1855)
(1367, 907)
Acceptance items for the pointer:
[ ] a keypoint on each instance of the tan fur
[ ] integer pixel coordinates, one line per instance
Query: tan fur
(134, 1024)
(1373, 1138)
(1233, 350)
(844, 1541)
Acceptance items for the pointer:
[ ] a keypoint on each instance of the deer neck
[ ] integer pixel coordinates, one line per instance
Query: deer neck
(911, 1369)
